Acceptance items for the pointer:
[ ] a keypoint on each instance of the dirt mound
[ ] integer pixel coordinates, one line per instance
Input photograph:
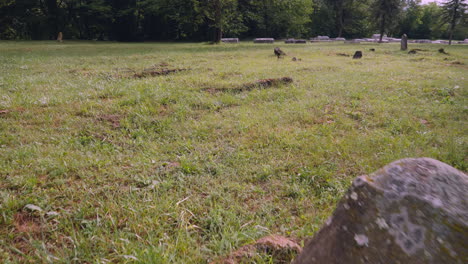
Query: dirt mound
(259, 84)
(281, 249)
(113, 119)
(157, 72)
(342, 54)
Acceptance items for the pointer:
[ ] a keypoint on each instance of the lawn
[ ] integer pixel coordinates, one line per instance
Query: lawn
(104, 162)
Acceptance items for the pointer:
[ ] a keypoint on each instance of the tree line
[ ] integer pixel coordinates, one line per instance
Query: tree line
(209, 20)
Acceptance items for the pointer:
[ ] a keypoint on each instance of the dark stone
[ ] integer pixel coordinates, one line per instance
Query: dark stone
(441, 50)
(372, 50)
(413, 211)
(357, 55)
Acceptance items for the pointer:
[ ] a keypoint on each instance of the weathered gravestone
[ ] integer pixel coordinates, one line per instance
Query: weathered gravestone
(413, 211)
(404, 42)
(60, 37)
(295, 41)
(353, 41)
(264, 40)
(428, 41)
(300, 41)
(230, 40)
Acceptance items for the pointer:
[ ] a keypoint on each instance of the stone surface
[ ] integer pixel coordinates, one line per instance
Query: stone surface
(230, 40)
(404, 42)
(264, 40)
(413, 211)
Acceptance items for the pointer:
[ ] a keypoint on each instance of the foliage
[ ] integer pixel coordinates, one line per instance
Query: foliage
(454, 12)
(385, 13)
(197, 20)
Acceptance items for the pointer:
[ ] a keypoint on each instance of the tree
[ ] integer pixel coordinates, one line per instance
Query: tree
(453, 13)
(385, 13)
(220, 15)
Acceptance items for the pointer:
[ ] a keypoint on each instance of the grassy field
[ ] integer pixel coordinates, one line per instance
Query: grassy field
(100, 163)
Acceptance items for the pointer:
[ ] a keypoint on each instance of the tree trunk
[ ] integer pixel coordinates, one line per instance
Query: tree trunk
(218, 22)
(453, 22)
(341, 23)
(382, 28)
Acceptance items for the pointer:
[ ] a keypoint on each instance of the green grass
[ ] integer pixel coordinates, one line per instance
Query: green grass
(160, 170)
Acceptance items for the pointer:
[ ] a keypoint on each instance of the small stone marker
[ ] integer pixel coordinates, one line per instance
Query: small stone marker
(404, 42)
(230, 40)
(264, 40)
(412, 211)
(60, 37)
(357, 55)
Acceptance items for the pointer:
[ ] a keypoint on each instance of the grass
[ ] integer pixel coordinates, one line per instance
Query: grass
(159, 170)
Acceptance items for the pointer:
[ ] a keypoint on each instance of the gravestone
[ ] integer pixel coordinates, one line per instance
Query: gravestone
(295, 41)
(357, 55)
(377, 36)
(423, 41)
(300, 41)
(353, 41)
(230, 40)
(60, 37)
(404, 42)
(413, 211)
(320, 39)
(394, 40)
(264, 40)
